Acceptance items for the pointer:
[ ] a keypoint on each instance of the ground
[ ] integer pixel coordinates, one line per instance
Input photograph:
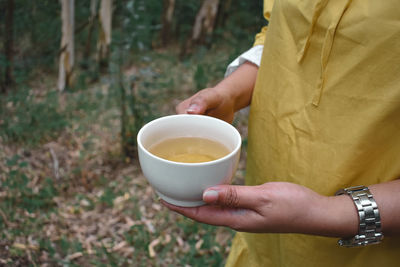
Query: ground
(69, 197)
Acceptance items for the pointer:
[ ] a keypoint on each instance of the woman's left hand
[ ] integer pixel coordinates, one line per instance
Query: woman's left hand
(274, 207)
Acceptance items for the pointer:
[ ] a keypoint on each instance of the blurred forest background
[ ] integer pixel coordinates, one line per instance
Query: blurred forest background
(77, 81)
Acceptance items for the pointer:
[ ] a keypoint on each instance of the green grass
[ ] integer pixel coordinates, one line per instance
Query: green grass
(27, 120)
(100, 211)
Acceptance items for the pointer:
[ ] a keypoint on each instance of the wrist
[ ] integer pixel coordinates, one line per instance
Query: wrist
(228, 92)
(333, 216)
(344, 216)
(238, 87)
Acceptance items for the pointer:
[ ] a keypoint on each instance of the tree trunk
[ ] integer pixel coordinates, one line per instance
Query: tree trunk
(223, 12)
(9, 45)
(93, 15)
(205, 20)
(203, 26)
(67, 45)
(32, 23)
(169, 6)
(104, 40)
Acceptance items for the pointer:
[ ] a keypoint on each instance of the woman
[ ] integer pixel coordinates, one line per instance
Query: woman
(325, 115)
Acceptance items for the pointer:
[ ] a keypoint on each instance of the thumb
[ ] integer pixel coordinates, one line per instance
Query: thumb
(204, 100)
(232, 196)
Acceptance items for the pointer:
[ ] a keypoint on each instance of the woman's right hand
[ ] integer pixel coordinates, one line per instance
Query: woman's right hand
(209, 102)
(222, 101)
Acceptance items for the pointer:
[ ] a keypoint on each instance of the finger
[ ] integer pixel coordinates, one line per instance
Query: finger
(216, 215)
(204, 100)
(232, 196)
(182, 107)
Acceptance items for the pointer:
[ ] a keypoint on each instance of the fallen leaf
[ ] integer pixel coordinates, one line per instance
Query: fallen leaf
(199, 243)
(74, 256)
(119, 246)
(153, 243)
(167, 239)
(25, 247)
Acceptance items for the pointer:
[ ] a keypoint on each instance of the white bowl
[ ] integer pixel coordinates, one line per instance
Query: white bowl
(182, 184)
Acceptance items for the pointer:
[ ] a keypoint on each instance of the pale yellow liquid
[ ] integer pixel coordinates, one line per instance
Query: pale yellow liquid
(189, 149)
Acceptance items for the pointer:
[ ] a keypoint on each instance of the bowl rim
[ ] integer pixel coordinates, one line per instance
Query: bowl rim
(231, 154)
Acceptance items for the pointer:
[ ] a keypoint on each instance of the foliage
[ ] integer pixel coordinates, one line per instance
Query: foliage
(30, 117)
(36, 36)
(37, 27)
(25, 119)
(133, 19)
(184, 17)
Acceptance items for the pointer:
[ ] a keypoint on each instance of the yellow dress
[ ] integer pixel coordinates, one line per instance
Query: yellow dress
(325, 114)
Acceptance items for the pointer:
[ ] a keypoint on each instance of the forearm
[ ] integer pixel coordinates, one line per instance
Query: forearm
(387, 197)
(239, 85)
(333, 216)
(337, 215)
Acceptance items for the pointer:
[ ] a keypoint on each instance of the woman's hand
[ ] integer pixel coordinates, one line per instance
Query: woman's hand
(276, 207)
(211, 102)
(222, 101)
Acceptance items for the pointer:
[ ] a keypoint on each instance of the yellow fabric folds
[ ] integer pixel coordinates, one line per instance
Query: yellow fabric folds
(325, 114)
(260, 37)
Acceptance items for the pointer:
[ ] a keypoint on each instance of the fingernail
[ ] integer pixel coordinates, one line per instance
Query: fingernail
(210, 196)
(193, 108)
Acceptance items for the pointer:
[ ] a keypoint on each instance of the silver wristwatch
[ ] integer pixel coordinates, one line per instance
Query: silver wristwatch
(369, 231)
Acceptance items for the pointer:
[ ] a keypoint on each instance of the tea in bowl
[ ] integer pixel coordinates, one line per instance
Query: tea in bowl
(182, 155)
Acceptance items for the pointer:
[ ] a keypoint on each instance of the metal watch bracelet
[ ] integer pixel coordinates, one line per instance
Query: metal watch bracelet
(369, 231)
